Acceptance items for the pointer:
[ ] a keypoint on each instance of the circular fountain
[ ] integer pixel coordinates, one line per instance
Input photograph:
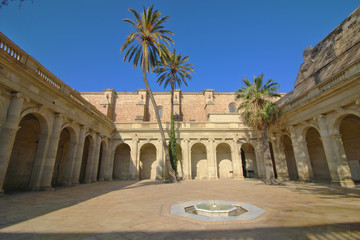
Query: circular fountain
(217, 210)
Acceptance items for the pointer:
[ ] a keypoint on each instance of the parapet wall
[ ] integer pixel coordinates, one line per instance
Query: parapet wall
(337, 52)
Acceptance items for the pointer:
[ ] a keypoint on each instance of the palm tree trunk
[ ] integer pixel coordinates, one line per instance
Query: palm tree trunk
(167, 158)
(270, 178)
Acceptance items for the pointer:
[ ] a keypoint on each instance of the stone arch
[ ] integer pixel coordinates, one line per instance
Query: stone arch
(148, 165)
(336, 121)
(86, 162)
(290, 157)
(102, 160)
(224, 161)
(317, 156)
(349, 129)
(65, 151)
(122, 158)
(199, 163)
(27, 149)
(248, 158)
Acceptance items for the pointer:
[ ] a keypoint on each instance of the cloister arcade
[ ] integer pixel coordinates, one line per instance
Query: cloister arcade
(52, 135)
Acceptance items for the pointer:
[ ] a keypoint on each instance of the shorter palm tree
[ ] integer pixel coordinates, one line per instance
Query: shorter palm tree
(259, 112)
(173, 70)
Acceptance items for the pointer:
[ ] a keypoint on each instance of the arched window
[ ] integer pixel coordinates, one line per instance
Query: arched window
(232, 107)
(160, 111)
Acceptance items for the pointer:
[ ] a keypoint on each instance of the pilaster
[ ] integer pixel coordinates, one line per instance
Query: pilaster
(135, 159)
(212, 168)
(333, 147)
(280, 158)
(236, 159)
(49, 164)
(8, 134)
(301, 156)
(78, 158)
(95, 166)
(186, 159)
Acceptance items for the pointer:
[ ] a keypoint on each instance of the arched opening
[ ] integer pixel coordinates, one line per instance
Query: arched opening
(23, 154)
(224, 161)
(273, 159)
(249, 160)
(317, 155)
(85, 170)
(290, 158)
(180, 161)
(122, 162)
(350, 136)
(101, 165)
(148, 161)
(61, 158)
(199, 164)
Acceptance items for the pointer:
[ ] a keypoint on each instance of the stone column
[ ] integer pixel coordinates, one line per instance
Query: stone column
(49, 165)
(301, 156)
(8, 134)
(280, 158)
(260, 164)
(110, 163)
(76, 166)
(186, 159)
(70, 162)
(90, 161)
(95, 166)
(211, 155)
(160, 159)
(39, 161)
(236, 159)
(104, 160)
(135, 158)
(333, 148)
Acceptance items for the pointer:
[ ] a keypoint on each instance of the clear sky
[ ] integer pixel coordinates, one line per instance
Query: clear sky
(79, 40)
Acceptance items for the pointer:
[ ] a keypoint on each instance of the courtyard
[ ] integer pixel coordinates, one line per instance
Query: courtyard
(141, 210)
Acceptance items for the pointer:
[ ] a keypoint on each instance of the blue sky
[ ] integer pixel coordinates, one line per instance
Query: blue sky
(79, 40)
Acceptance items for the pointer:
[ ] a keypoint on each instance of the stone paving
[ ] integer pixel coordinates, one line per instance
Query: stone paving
(141, 210)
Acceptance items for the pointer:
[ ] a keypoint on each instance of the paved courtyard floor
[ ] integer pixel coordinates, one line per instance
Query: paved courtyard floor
(141, 210)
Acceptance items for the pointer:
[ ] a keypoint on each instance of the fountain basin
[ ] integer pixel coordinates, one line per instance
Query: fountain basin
(242, 211)
(212, 209)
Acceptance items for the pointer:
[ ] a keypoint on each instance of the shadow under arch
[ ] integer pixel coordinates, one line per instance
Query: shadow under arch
(24, 169)
(224, 162)
(148, 165)
(64, 156)
(199, 162)
(317, 155)
(122, 160)
(290, 157)
(248, 159)
(349, 129)
(88, 151)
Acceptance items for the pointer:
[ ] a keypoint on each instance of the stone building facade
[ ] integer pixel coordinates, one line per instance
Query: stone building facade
(53, 135)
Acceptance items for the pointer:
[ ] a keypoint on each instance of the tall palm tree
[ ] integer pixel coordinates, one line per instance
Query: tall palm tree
(146, 45)
(173, 71)
(260, 113)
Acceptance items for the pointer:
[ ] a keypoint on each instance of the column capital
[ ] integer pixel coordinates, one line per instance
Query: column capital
(211, 140)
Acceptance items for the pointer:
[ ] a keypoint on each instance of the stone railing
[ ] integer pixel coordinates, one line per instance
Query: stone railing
(14, 52)
(129, 126)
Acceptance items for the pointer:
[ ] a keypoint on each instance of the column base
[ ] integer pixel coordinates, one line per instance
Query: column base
(344, 183)
(94, 181)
